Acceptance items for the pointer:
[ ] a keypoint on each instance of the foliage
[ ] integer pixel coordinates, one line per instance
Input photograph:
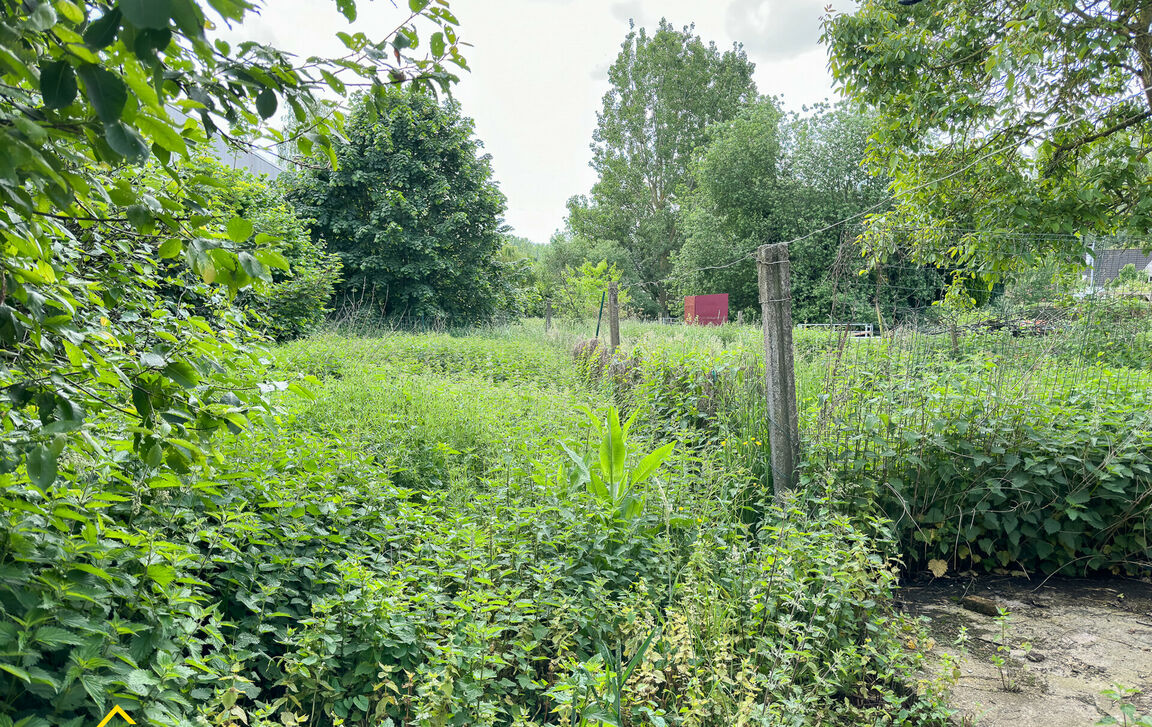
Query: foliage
(523, 276)
(1119, 697)
(1032, 116)
(308, 584)
(606, 475)
(294, 301)
(411, 210)
(567, 253)
(116, 385)
(667, 89)
(769, 177)
(1006, 453)
(1055, 482)
(584, 289)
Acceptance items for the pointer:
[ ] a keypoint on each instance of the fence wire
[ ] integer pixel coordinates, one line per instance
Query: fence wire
(938, 369)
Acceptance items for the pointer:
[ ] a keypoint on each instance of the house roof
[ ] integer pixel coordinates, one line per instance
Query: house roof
(1108, 263)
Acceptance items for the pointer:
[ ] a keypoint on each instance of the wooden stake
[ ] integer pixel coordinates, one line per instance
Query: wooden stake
(775, 276)
(547, 316)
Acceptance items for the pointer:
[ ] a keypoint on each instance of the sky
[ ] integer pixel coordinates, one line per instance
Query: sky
(540, 70)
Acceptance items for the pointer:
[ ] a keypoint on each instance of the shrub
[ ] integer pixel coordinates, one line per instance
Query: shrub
(1044, 483)
(296, 300)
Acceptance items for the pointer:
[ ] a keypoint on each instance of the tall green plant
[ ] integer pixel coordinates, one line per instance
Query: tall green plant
(606, 475)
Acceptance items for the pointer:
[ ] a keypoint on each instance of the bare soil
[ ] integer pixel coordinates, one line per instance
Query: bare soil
(1086, 636)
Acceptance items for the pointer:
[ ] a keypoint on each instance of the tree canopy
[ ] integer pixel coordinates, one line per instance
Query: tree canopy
(668, 88)
(411, 209)
(769, 177)
(1006, 115)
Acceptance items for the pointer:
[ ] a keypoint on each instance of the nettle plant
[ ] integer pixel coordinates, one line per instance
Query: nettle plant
(605, 473)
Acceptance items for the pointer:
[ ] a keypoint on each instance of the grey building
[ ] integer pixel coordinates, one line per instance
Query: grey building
(1105, 265)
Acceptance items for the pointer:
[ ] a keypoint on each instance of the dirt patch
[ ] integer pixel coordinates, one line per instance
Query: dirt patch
(1068, 640)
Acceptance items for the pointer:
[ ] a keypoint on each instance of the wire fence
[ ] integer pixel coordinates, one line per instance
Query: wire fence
(959, 376)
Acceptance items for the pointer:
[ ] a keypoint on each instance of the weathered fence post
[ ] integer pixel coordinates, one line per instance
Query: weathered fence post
(780, 379)
(547, 316)
(613, 317)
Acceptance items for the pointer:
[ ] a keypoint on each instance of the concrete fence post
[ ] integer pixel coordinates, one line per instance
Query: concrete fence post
(779, 365)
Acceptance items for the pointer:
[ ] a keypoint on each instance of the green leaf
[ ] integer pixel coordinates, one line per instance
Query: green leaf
(436, 42)
(252, 266)
(613, 453)
(43, 17)
(41, 465)
(188, 18)
(147, 13)
(149, 42)
(183, 373)
(126, 142)
(170, 248)
(230, 9)
(139, 681)
(163, 134)
(52, 636)
(16, 672)
(272, 259)
(239, 229)
(102, 33)
(139, 217)
(71, 12)
(649, 464)
(578, 461)
(142, 402)
(153, 455)
(57, 84)
(348, 8)
(161, 574)
(333, 82)
(266, 103)
(105, 90)
(596, 487)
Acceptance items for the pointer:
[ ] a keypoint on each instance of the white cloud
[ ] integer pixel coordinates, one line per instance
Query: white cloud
(776, 29)
(629, 10)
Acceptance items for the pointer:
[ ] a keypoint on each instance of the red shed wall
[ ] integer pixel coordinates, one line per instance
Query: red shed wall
(706, 309)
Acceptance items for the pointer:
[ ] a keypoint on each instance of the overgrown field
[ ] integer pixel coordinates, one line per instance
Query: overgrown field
(991, 450)
(478, 529)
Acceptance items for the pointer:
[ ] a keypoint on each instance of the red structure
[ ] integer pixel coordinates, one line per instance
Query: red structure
(706, 310)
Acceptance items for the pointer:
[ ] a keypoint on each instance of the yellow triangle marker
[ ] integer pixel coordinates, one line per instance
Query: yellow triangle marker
(116, 711)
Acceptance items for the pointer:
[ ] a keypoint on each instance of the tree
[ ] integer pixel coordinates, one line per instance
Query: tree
(1005, 116)
(295, 300)
(667, 90)
(770, 177)
(411, 209)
